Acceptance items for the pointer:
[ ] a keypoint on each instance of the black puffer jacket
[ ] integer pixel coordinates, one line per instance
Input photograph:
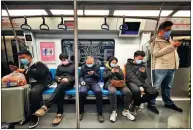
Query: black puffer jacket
(39, 71)
(133, 74)
(108, 75)
(66, 71)
(84, 76)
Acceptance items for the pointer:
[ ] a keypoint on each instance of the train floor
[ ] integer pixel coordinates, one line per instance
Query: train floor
(145, 119)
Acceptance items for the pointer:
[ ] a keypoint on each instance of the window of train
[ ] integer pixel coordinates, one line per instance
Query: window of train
(100, 49)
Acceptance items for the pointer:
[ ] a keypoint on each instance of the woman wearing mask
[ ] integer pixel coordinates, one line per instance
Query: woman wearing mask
(114, 73)
(65, 80)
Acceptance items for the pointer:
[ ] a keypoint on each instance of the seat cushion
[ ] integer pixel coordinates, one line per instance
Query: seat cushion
(51, 89)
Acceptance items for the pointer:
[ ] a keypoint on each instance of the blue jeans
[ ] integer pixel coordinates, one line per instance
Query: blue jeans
(165, 79)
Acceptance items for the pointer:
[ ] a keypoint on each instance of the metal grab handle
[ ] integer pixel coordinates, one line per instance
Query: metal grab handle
(23, 26)
(123, 26)
(105, 26)
(43, 24)
(62, 24)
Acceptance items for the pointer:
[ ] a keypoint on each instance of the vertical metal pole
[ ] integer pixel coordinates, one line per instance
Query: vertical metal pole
(14, 32)
(5, 48)
(153, 43)
(76, 63)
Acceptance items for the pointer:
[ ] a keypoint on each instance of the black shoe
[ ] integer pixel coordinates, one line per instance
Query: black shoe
(153, 109)
(100, 118)
(34, 121)
(174, 107)
(81, 116)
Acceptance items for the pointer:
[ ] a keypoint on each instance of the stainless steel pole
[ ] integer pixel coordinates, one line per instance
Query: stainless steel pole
(153, 43)
(76, 63)
(14, 32)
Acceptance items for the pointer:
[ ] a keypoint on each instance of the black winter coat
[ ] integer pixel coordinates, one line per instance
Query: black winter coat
(84, 76)
(108, 75)
(66, 71)
(133, 74)
(39, 71)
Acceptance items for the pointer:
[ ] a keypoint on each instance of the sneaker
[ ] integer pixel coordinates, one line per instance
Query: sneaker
(113, 116)
(42, 111)
(128, 115)
(153, 109)
(34, 121)
(100, 118)
(57, 119)
(174, 107)
(81, 116)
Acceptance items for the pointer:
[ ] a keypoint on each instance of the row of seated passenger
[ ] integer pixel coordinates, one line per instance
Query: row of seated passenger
(51, 88)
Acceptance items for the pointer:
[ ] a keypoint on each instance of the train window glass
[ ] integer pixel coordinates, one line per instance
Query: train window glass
(100, 49)
(184, 52)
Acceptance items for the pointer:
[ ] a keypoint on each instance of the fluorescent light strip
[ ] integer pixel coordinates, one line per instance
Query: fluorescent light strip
(65, 12)
(141, 12)
(80, 12)
(24, 12)
(96, 12)
(182, 13)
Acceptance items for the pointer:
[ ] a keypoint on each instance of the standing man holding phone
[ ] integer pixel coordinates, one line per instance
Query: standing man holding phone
(165, 62)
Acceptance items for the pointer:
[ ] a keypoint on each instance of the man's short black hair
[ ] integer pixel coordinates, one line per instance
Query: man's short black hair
(63, 56)
(139, 53)
(165, 25)
(24, 52)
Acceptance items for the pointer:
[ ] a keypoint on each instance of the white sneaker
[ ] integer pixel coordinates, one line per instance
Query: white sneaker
(128, 115)
(113, 116)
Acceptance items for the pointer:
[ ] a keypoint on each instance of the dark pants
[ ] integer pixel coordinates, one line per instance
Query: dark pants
(58, 96)
(136, 94)
(35, 96)
(98, 93)
(113, 97)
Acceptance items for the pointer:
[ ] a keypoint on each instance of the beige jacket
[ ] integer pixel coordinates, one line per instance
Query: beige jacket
(165, 55)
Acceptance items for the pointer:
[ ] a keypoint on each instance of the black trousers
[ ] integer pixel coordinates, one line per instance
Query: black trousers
(136, 94)
(35, 96)
(58, 96)
(95, 87)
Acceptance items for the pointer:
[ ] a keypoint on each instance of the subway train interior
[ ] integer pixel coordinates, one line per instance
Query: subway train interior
(99, 29)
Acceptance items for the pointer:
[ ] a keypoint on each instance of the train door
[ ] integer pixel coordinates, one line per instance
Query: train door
(9, 52)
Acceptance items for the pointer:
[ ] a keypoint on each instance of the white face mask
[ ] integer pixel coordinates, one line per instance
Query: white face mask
(139, 61)
(113, 65)
(89, 65)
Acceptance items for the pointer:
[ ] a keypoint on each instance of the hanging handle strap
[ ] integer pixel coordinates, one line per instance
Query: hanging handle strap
(62, 25)
(124, 25)
(44, 24)
(105, 26)
(25, 26)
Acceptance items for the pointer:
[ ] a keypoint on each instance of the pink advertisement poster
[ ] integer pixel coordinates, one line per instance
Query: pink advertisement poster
(47, 51)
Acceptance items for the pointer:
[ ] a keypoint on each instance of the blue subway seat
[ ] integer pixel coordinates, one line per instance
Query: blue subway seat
(51, 89)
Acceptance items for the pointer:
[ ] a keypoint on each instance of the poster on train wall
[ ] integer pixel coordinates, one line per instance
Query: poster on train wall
(47, 50)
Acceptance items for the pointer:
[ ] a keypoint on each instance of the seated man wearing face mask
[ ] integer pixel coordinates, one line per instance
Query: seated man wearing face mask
(89, 77)
(65, 80)
(37, 75)
(135, 80)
